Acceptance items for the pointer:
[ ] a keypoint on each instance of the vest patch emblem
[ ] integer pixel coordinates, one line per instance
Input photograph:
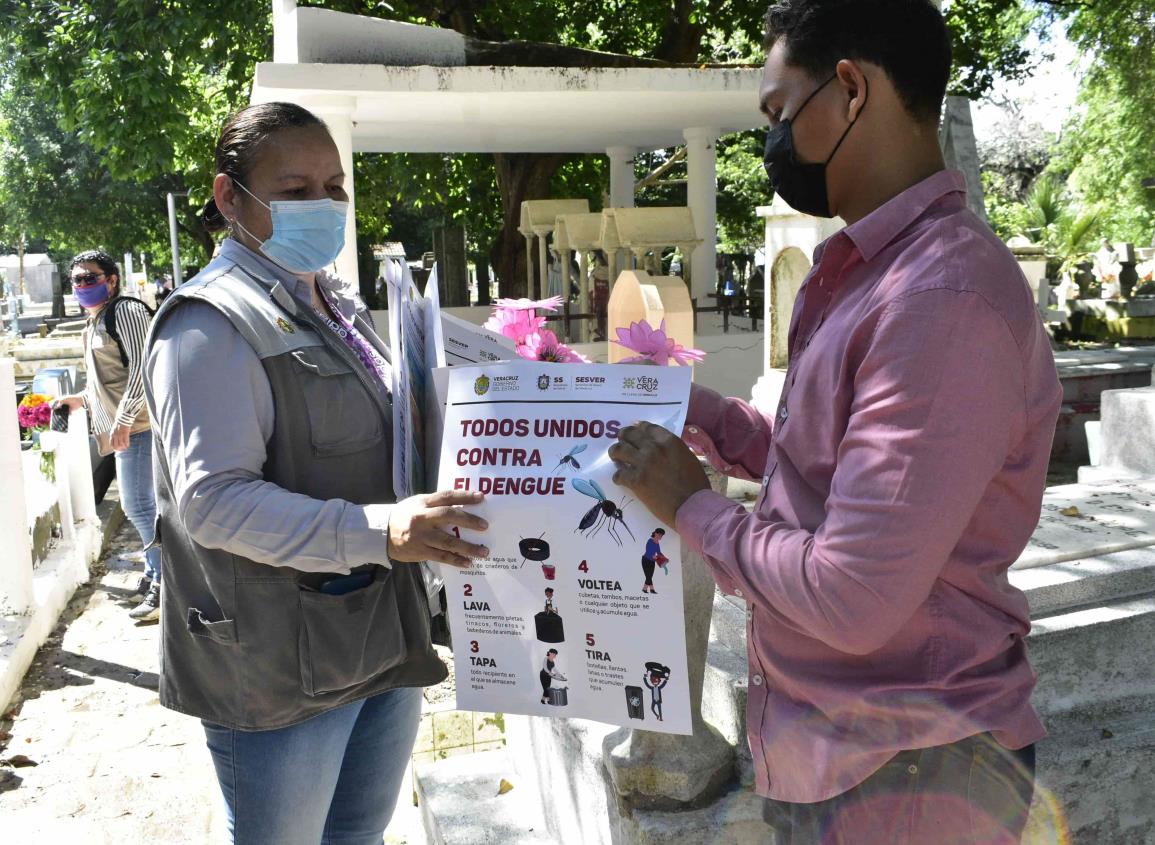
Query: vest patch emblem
(285, 326)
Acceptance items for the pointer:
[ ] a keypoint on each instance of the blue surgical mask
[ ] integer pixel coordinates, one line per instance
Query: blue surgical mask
(308, 235)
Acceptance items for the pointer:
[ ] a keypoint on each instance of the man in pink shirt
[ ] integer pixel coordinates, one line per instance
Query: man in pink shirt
(902, 474)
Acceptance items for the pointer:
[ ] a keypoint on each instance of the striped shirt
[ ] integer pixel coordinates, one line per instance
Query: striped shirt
(113, 396)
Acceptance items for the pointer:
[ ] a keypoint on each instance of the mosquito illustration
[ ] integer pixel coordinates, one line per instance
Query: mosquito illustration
(605, 512)
(570, 459)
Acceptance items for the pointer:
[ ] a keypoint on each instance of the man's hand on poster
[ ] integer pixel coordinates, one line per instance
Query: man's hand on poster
(421, 528)
(656, 466)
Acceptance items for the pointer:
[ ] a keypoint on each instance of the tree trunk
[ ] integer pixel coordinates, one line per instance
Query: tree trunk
(681, 38)
(520, 177)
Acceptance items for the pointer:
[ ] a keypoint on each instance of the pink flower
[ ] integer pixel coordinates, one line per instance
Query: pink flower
(544, 346)
(550, 304)
(514, 324)
(34, 411)
(654, 346)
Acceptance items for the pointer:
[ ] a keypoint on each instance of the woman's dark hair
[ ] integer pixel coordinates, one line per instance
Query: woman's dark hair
(241, 140)
(906, 38)
(211, 218)
(101, 259)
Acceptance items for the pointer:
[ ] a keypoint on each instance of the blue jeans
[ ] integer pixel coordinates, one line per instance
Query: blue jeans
(333, 778)
(137, 497)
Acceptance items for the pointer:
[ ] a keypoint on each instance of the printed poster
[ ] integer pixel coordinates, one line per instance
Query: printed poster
(407, 349)
(578, 610)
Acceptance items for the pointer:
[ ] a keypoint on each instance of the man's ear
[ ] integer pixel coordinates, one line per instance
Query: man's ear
(852, 81)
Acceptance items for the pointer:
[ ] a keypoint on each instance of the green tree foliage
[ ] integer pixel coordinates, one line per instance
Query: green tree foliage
(57, 188)
(138, 91)
(987, 39)
(1108, 152)
(1067, 192)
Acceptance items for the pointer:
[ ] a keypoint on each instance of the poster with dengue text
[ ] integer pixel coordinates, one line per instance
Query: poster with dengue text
(577, 612)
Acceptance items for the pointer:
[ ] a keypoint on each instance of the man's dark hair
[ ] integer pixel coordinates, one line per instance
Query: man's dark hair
(661, 531)
(906, 38)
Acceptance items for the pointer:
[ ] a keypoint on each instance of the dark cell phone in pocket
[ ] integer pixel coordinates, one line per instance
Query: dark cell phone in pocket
(347, 583)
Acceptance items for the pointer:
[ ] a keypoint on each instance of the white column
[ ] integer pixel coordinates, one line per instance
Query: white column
(56, 443)
(702, 194)
(542, 266)
(79, 467)
(285, 49)
(621, 176)
(338, 116)
(16, 558)
(529, 292)
(584, 298)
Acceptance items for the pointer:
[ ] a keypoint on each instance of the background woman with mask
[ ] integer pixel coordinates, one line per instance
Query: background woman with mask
(114, 395)
(295, 623)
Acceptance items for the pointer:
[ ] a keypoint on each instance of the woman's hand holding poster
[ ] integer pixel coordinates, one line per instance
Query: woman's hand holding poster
(577, 611)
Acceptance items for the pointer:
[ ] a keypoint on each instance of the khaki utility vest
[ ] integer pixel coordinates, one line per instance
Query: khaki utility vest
(253, 646)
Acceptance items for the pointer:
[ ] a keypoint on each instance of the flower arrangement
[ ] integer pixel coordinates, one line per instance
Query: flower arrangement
(34, 412)
(518, 319)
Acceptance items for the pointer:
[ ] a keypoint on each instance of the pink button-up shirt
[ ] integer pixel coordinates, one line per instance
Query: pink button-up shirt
(901, 476)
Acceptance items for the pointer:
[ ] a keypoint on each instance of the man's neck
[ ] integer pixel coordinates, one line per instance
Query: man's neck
(890, 177)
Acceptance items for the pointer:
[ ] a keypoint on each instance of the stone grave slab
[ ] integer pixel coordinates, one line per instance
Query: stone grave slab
(1085, 520)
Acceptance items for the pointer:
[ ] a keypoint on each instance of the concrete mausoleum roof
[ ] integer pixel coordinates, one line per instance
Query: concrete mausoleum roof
(519, 109)
(418, 89)
(386, 86)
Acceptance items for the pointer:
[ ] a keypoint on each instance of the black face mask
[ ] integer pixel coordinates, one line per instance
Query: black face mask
(802, 186)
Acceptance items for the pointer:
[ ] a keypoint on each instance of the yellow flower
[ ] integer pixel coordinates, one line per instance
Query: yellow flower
(35, 400)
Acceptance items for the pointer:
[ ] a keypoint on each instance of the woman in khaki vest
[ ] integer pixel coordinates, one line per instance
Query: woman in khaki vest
(296, 622)
(114, 396)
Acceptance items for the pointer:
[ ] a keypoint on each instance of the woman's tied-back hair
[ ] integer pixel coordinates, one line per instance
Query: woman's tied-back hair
(906, 38)
(241, 140)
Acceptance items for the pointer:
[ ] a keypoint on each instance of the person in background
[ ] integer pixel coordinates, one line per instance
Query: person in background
(114, 340)
(902, 474)
(296, 622)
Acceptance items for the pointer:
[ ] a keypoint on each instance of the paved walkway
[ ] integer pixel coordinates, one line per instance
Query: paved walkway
(112, 765)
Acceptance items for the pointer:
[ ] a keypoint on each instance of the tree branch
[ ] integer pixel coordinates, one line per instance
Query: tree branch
(652, 179)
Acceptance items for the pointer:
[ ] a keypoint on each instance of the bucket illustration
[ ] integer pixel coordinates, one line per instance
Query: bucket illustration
(549, 571)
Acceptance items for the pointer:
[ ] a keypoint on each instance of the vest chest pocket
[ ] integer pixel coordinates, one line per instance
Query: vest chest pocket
(343, 418)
